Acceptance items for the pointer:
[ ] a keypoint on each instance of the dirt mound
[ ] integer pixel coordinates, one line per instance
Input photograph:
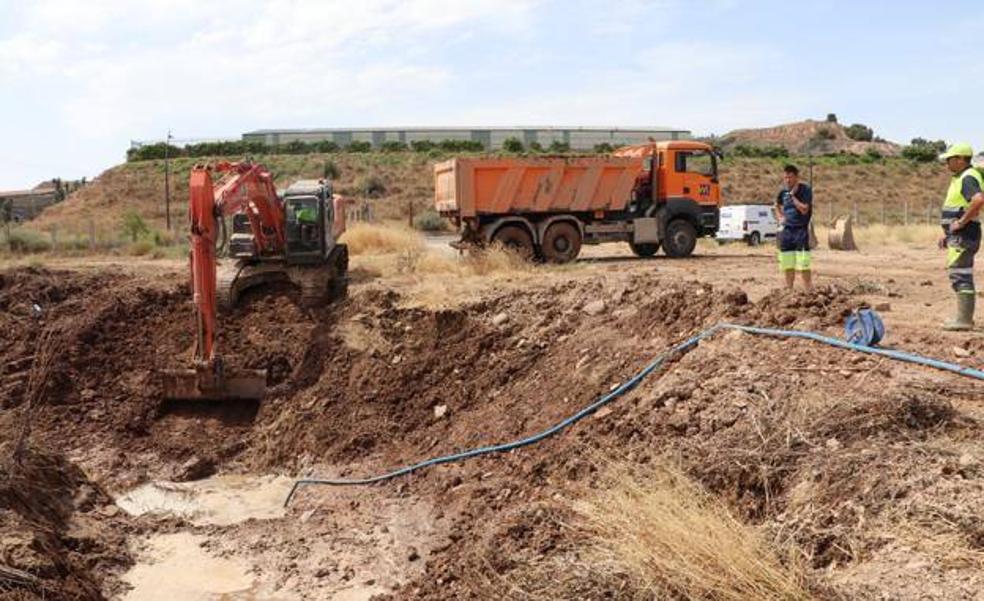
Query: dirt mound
(59, 537)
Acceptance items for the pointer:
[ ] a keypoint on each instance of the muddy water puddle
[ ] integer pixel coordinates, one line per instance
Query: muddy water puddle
(220, 500)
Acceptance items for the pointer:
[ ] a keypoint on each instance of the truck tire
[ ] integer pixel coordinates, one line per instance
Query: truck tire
(754, 239)
(681, 238)
(561, 243)
(517, 239)
(644, 249)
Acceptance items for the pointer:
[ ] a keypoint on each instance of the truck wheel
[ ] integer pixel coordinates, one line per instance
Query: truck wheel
(515, 238)
(644, 249)
(681, 238)
(755, 239)
(561, 243)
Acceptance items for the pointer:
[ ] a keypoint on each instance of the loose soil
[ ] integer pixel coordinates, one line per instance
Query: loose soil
(870, 469)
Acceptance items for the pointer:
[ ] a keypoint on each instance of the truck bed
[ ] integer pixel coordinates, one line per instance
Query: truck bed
(472, 187)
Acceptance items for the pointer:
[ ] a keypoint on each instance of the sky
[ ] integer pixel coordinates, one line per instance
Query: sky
(80, 80)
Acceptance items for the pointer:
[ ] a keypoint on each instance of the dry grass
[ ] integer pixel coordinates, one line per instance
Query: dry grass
(370, 239)
(679, 541)
(889, 235)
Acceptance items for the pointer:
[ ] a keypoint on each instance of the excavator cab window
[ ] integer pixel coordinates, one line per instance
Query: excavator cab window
(303, 229)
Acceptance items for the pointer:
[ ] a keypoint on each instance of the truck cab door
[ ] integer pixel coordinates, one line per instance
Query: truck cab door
(696, 172)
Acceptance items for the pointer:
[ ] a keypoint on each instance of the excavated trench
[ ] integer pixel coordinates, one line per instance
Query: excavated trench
(186, 500)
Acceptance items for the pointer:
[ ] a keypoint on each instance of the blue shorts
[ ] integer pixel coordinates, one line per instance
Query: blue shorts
(794, 239)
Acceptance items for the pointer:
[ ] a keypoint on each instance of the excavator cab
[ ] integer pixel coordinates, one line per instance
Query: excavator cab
(307, 213)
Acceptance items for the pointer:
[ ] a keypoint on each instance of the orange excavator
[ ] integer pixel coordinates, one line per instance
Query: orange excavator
(289, 237)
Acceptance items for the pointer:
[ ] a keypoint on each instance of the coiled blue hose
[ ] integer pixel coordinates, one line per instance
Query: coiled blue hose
(632, 383)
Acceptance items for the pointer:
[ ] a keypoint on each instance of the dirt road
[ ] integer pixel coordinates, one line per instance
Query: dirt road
(871, 469)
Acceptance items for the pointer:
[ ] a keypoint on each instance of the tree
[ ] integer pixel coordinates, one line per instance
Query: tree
(831, 118)
(133, 225)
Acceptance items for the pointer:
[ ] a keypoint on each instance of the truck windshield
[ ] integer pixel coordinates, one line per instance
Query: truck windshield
(696, 161)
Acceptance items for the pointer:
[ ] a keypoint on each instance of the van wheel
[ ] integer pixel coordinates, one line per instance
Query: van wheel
(755, 239)
(644, 249)
(516, 239)
(681, 238)
(561, 243)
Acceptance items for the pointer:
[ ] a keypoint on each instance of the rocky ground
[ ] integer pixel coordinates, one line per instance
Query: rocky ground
(871, 470)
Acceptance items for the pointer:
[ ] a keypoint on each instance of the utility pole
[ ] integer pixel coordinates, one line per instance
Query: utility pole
(167, 182)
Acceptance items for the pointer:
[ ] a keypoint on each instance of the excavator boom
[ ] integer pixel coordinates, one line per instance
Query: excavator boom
(246, 188)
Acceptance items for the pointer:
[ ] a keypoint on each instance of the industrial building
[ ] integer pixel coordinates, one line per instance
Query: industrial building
(579, 138)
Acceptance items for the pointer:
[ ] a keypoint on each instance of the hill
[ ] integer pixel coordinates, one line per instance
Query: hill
(401, 180)
(808, 137)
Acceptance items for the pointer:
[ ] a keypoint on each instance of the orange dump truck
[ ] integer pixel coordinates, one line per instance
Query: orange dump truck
(663, 194)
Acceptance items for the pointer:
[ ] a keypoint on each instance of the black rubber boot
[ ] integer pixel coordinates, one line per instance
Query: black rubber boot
(964, 320)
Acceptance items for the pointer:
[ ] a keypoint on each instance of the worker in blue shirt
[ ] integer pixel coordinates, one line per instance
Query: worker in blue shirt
(794, 209)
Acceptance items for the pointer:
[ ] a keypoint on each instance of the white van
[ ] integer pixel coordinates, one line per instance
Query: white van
(750, 223)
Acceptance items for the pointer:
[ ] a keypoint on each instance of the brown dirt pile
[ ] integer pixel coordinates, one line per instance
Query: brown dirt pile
(816, 446)
(59, 535)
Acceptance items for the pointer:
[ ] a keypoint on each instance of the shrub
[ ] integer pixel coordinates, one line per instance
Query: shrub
(603, 148)
(28, 241)
(461, 145)
(422, 145)
(393, 146)
(825, 133)
(859, 132)
(831, 118)
(326, 146)
(133, 225)
(512, 144)
(366, 239)
(429, 221)
(536, 147)
(140, 247)
(558, 146)
(769, 152)
(359, 146)
(330, 171)
(872, 154)
(923, 151)
(295, 147)
(372, 186)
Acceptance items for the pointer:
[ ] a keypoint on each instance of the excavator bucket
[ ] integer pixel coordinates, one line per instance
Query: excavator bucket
(203, 385)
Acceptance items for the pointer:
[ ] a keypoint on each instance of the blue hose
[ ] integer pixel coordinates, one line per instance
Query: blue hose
(632, 383)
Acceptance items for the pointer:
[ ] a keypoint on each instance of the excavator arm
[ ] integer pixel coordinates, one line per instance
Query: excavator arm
(245, 188)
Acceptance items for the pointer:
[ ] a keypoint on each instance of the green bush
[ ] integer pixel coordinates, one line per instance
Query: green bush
(393, 146)
(859, 132)
(326, 146)
(372, 186)
(422, 145)
(603, 148)
(330, 171)
(923, 151)
(558, 146)
(512, 145)
(133, 225)
(461, 145)
(359, 146)
(430, 221)
(536, 147)
(872, 154)
(28, 241)
(766, 152)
